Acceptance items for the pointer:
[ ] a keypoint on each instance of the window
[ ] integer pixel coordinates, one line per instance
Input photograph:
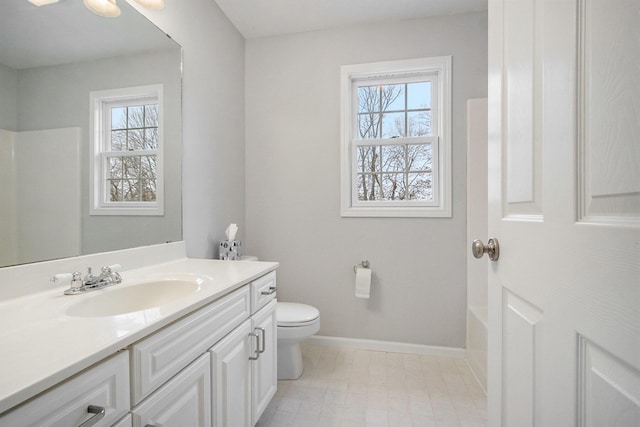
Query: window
(396, 148)
(127, 151)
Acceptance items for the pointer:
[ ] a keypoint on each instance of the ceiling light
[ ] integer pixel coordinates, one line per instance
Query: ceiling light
(106, 8)
(151, 4)
(43, 2)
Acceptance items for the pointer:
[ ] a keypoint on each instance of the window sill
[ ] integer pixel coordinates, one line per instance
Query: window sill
(128, 211)
(396, 212)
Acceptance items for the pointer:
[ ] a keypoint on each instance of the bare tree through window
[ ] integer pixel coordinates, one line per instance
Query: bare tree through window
(132, 172)
(390, 170)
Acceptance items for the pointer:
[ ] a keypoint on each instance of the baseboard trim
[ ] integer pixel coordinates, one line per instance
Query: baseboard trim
(388, 346)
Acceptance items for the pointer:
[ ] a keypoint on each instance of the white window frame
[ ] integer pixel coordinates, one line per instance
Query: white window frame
(100, 130)
(436, 69)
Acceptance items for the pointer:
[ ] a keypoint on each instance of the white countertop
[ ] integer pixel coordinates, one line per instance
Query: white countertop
(40, 345)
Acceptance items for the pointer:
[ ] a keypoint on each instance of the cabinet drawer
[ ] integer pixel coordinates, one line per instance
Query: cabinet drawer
(162, 355)
(185, 401)
(263, 290)
(105, 385)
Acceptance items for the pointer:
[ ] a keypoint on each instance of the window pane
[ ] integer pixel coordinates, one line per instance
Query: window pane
(376, 187)
(148, 190)
(136, 116)
(148, 167)
(393, 97)
(392, 158)
(119, 118)
(115, 167)
(151, 139)
(151, 115)
(420, 186)
(115, 190)
(368, 158)
(135, 139)
(419, 157)
(131, 166)
(368, 99)
(118, 140)
(419, 123)
(130, 189)
(364, 156)
(366, 186)
(418, 95)
(392, 187)
(393, 125)
(369, 126)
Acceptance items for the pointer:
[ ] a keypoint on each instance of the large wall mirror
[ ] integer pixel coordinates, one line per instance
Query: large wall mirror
(51, 58)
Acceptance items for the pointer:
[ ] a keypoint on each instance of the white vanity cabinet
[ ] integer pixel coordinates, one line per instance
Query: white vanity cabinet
(215, 366)
(102, 387)
(264, 375)
(264, 370)
(185, 400)
(244, 364)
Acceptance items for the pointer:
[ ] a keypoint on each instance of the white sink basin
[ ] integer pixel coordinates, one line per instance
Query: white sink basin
(113, 300)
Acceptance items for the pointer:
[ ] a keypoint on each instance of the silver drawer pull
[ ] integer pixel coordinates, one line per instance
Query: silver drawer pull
(99, 412)
(271, 291)
(261, 347)
(256, 351)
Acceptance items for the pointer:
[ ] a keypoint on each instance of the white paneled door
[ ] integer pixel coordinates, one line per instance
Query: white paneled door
(564, 203)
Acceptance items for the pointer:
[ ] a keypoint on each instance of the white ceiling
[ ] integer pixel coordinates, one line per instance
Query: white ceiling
(67, 32)
(263, 18)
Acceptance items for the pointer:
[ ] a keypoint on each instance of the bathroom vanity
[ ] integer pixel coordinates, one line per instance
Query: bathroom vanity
(179, 342)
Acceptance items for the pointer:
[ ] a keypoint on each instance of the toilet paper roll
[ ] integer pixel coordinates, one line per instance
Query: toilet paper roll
(363, 282)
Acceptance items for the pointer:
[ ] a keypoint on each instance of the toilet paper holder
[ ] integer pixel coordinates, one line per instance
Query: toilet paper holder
(363, 264)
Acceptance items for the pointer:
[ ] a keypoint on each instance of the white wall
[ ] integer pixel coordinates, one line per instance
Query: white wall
(47, 178)
(213, 120)
(293, 212)
(7, 198)
(8, 98)
(39, 195)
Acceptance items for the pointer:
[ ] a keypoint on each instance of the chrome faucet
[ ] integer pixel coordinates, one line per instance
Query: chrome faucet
(108, 276)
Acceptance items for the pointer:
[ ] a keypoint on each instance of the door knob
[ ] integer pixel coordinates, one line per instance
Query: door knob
(492, 248)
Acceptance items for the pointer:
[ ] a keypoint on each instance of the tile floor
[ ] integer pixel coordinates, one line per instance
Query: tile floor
(343, 387)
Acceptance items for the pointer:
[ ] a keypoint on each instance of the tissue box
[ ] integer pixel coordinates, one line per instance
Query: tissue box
(230, 249)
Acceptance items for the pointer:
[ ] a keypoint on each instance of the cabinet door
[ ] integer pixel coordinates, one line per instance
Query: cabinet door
(264, 370)
(231, 370)
(185, 400)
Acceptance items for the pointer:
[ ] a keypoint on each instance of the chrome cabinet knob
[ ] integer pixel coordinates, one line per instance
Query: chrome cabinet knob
(492, 248)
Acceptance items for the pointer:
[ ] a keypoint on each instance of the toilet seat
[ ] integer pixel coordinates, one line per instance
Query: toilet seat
(291, 314)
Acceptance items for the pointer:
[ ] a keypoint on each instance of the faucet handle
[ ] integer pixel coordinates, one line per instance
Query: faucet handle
(111, 271)
(74, 280)
(63, 278)
(114, 268)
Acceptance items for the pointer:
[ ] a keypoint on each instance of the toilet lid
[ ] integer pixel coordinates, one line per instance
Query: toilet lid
(294, 314)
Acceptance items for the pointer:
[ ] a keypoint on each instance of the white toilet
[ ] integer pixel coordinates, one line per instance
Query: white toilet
(296, 323)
